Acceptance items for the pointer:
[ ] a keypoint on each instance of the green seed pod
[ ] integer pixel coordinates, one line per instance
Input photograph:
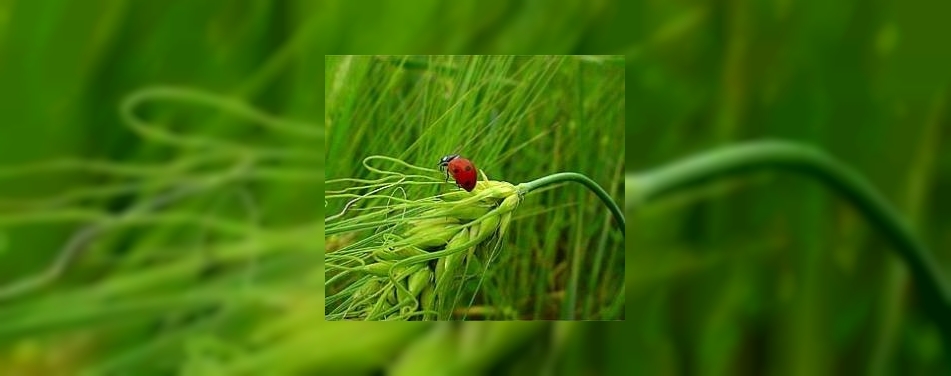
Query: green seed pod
(379, 269)
(487, 227)
(404, 272)
(509, 204)
(504, 224)
(368, 289)
(386, 254)
(451, 264)
(445, 265)
(447, 268)
(435, 237)
(497, 190)
(428, 225)
(419, 280)
(390, 295)
(402, 296)
(475, 227)
(440, 269)
(408, 297)
(427, 301)
(446, 286)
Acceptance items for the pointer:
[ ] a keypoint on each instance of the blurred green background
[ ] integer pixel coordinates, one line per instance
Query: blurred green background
(195, 239)
(772, 273)
(769, 275)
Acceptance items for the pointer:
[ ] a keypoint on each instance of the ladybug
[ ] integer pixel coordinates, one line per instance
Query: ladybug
(461, 169)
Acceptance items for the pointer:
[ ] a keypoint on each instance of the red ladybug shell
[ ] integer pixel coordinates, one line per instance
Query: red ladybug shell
(462, 170)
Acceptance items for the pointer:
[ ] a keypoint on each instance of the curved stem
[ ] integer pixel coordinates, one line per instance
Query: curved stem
(768, 155)
(562, 177)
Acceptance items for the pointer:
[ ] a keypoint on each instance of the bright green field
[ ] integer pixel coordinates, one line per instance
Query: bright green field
(186, 235)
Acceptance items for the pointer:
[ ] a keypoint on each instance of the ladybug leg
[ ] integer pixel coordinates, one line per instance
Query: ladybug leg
(443, 168)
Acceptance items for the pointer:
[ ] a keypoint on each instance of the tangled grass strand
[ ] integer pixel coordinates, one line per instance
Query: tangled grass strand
(156, 197)
(416, 246)
(408, 230)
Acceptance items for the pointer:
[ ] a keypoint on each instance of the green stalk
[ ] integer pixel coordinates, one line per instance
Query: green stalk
(779, 155)
(563, 177)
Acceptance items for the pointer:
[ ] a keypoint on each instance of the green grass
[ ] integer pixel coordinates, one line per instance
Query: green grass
(518, 118)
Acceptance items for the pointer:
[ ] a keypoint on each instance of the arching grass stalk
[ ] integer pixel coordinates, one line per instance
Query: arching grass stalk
(562, 177)
(643, 187)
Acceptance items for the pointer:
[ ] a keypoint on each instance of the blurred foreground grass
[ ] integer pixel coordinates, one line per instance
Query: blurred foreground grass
(180, 260)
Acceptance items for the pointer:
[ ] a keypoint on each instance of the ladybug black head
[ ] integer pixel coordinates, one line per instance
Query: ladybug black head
(445, 160)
